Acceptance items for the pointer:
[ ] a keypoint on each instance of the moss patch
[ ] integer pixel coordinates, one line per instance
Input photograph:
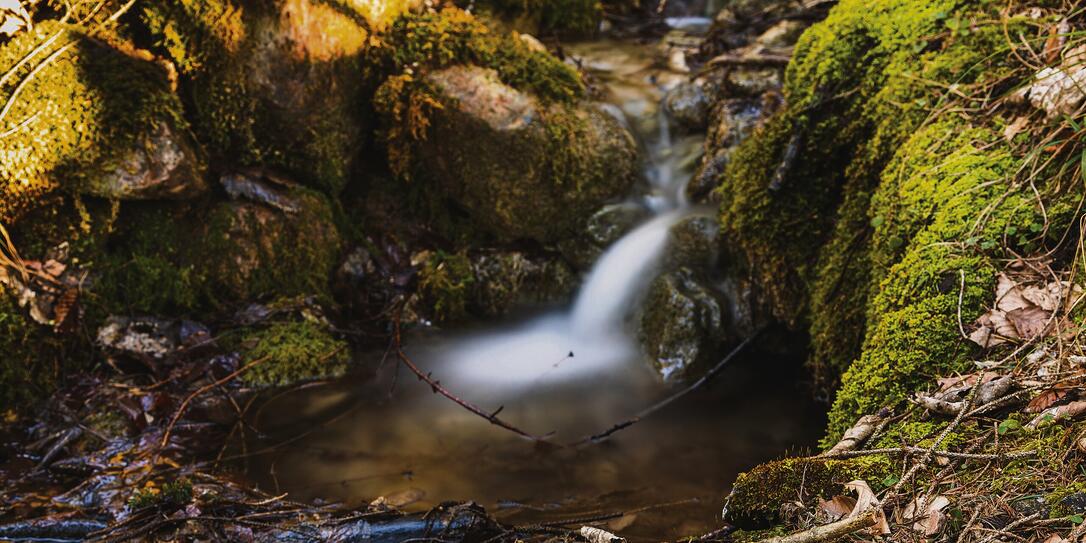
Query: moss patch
(87, 106)
(291, 352)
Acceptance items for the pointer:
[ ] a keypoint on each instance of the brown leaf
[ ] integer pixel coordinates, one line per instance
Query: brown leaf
(66, 311)
(926, 514)
(837, 507)
(866, 500)
(1053, 45)
(1029, 322)
(1046, 399)
(405, 497)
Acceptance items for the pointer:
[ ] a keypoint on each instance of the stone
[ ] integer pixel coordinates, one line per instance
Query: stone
(505, 280)
(604, 227)
(519, 168)
(693, 243)
(681, 326)
(753, 81)
(781, 35)
(688, 105)
(164, 167)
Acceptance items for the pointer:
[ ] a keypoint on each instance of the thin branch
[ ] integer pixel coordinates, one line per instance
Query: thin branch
(437, 388)
(596, 438)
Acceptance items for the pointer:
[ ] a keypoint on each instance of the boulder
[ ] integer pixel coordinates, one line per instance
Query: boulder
(604, 227)
(273, 83)
(92, 119)
(694, 242)
(682, 325)
(505, 280)
(522, 168)
(688, 104)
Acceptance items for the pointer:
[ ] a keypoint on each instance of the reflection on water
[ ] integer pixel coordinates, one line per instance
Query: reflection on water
(413, 446)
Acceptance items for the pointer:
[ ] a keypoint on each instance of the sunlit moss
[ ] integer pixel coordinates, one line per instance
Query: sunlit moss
(290, 352)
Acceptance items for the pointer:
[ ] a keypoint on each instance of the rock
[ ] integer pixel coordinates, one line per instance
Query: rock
(150, 336)
(694, 243)
(165, 166)
(292, 352)
(706, 178)
(604, 228)
(681, 326)
(781, 35)
(1074, 503)
(753, 81)
(504, 280)
(732, 120)
(519, 168)
(275, 86)
(94, 120)
(249, 248)
(251, 185)
(688, 104)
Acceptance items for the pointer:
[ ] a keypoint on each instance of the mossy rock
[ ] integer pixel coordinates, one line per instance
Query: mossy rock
(758, 494)
(32, 357)
(273, 83)
(564, 17)
(286, 353)
(88, 117)
(682, 325)
(522, 170)
(164, 262)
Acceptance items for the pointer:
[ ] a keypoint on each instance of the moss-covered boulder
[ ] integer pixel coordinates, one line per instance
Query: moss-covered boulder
(682, 325)
(86, 114)
(757, 495)
(522, 170)
(480, 121)
(290, 352)
(273, 83)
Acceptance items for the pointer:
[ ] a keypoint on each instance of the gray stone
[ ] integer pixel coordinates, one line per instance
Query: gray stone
(688, 105)
(682, 325)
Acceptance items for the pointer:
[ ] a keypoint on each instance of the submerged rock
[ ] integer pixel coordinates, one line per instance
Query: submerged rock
(522, 169)
(682, 325)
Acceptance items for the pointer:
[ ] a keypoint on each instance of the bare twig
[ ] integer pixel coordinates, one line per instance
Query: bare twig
(828, 532)
(204, 389)
(437, 388)
(596, 438)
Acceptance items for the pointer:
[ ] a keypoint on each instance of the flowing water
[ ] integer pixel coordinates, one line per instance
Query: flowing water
(567, 373)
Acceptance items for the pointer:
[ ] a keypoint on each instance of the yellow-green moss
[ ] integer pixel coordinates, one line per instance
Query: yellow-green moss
(80, 114)
(290, 352)
(172, 494)
(758, 494)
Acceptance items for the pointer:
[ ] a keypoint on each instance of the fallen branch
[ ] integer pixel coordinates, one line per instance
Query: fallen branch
(596, 438)
(924, 450)
(828, 532)
(856, 435)
(202, 390)
(437, 388)
(763, 59)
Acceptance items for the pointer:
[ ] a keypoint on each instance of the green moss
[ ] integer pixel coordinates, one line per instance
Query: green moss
(77, 117)
(1055, 500)
(290, 352)
(173, 494)
(548, 16)
(445, 281)
(32, 360)
(274, 84)
(757, 495)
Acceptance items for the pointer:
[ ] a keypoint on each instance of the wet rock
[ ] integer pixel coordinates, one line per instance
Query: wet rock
(604, 227)
(256, 187)
(1031, 506)
(1074, 503)
(694, 243)
(688, 105)
(164, 167)
(505, 280)
(753, 81)
(681, 326)
(519, 168)
(51, 530)
(707, 176)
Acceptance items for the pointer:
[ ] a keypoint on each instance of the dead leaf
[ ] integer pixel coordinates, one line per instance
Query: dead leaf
(1016, 126)
(1055, 538)
(1060, 412)
(865, 501)
(596, 535)
(1053, 44)
(1029, 322)
(927, 515)
(837, 507)
(1046, 399)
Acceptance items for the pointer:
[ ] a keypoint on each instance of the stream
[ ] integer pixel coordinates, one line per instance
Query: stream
(567, 372)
